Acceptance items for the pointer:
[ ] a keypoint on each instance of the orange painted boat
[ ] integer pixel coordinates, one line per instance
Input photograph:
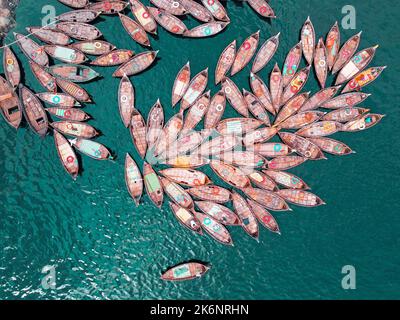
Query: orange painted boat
(81, 15)
(242, 158)
(276, 87)
(91, 148)
(9, 104)
(155, 123)
(346, 100)
(301, 119)
(137, 129)
(321, 63)
(234, 96)
(195, 88)
(206, 30)
(61, 100)
(186, 177)
(66, 154)
(286, 179)
(332, 45)
(176, 193)
(363, 78)
(308, 40)
(292, 63)
(237, 126)
(216, 9)
(113, 58)
(271, 149)
(256, 108)
(225, 61)
(261, 91)
(320, 129)
(218, 212)
(137, 64)
(245, 52)
(11, 67)
(291, 107)
(33, 111)
(268, 199)
(266, 219)
(135, 30)
(73, 72)
(68, 114)
(126, 100)
(346, 52)
(168, 21)
(319, 98)
(181, 84)
(133, 179)
(169, 134)
(229, 174)
(344, 114)
(187, 161)
(265, 54)
(365, 121)
(262, 8)
(184, 144)
(143, 16)
(93, 47)
(77, 4)
(153, 185)
(210, 193)
(171, 6)
(196, 10)
(218, 145)
(215, 110)
(79, 31)
(75, 129)
(185, 271)
(285, 162)
(332, 146)
(49, 36)
(108, 7)
(186, 218)
(245, 214)
(300, 197)
(215, 229)
(262, 181)
(298, 82)
(259, 136)
(65, 54)
(31, 49)
(196, 112)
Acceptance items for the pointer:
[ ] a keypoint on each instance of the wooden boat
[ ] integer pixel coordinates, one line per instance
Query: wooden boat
(308, 40)
(331, 146)
(66, 155)
(262, 8)
(302, 146)
(169, 134)
(206, 30)
(73, 72)
(137, 64)
(91, 148)
(265, 54)
(216, 9)
(344, 114)
(113, 58)
(82, 15)
(245, 52)
(186, 271)
(285, 162)
(321, 63)
(187, 161)
(65, 54)
(259, 135)
(234, 96)
(300, 197)
(138, 130)
(31, 49)
(229, 174)
(93, 47)
(77, 4)
(49, 36)
(218, 145)
(75, 129)
(271, 149)
(266, 219)
(286, 179)
(245, 214)
(276, 87)
(33, 111)
(185, 143)
(332, 45)
(9, 104)
(135, 30)
(197, 11)
(298, 82)
(186, 218)
(168, 21)
(153, 185)
(319, 98)
(195, 88)
(210, 193)
(186, 177)
(261, 91)
(292, 63)
(225, 61)
(356, 64)
(345, 100)
(176, 193)
(256, 108)
(171, 6)
(215, 110)
(197, 111)
(155, 123)
(291, 107)
(61, 100)
(218, 212)
(320, 129)
(69, 113)
(133, 179)
(365, 121)
(11, 67)
(215, 229)
(108, 7)
(262, 181)
(363, 78)
(79, 30)
(242, 158)
(346, 52)
(143, 16)
(181, 84)
(126, 100)
(301, 119)
(237, 126)
(268, 199)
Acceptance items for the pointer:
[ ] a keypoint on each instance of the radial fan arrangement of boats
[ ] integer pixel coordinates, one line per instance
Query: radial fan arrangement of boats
(240, 150)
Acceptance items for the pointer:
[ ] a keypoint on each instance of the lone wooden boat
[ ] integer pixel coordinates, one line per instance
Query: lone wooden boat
(186, 271)
(308, 40)
(215, 229)
(66, 154)
(286, 179)
(65, 54)
(108, 7)
(242, 158)
(365, 121)
(268, 199)
(153, 185)
(196, 112)
(237, 126)
(45, 79)
(346, 100)
(262, 8)
(261, 91)
(143, 16)
(176, 193)
(197, 11)
(75, 129)
(218, 212)
(363, 78)
(187, 161)
(61, 100)
(195, 88)
(11, 67)
(216, 9)
(218, 145)
(186, 218)
(133, 179)
(346, 52)
(225, 61)
(344, 114)
(285, 162)
(292, 63)
(301, 119)
(137, 64)
(81, 15)
(261, 180)
(332, 45)
(210, 193)
(266, 219)
(271, 149)
(77, 4)
(215, 110)
(256, 108)
(259, 135)
(33, 111)
(68, 114)
(186, 177)
(230, 174)
(321, 62)
(155, 123)
(245, 214)
(168, 21)
(276, 88)
(320, 129)
(49, 36)
(135, 30)
(245, 52)
(291, 107)
(9, 104)
(169, 134)
(302, 146)
(234, 96)
(91, 148)
(206, 30)
(300, 197)
(332, 146)
(171, 6)
(265, 54)
(126, 100)
(181, 84)
(319, 98)
(298, 82)
(93, 47)
(73, 72)
(79, 30)
(137, 128)
(31, 49)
